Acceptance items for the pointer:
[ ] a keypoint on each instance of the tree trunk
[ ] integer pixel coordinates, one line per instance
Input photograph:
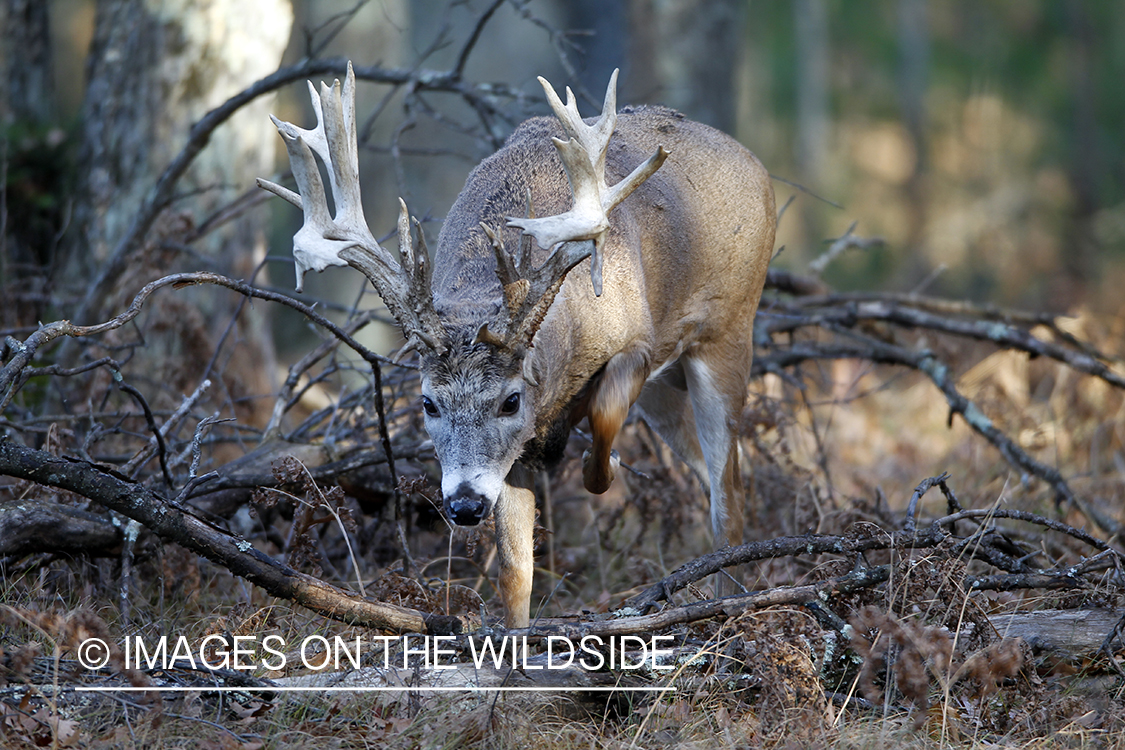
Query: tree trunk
(811, 24)
(31, 164)
(605, 47)
(686, 54)
(1079, 260)
(154, 69)
(26, 81)
(913, 81)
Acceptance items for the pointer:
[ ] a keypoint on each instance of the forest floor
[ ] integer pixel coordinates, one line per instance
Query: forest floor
(917, 659)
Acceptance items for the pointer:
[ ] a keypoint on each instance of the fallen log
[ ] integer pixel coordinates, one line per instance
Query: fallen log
(32, 526)
(239, 556)
(1067, 632)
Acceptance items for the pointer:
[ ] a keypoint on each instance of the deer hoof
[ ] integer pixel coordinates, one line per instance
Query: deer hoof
(598, 476)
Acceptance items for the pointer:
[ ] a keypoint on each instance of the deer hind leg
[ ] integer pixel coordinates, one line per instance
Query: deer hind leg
(718, 393)
(616, 389)
(515, 544)
(666, 408)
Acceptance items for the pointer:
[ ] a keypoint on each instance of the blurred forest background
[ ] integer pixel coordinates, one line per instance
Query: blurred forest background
(982, 140)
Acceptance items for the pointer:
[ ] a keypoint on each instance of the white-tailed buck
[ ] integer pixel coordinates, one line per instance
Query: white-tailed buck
(673, 223)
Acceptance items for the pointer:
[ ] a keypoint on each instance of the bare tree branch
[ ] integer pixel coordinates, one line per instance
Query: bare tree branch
(236, 555)
(24, 351)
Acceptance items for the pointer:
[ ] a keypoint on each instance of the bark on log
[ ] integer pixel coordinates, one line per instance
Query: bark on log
(32, 526)
(1069, 632)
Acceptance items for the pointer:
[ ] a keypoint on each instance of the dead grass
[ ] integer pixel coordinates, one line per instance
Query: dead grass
(922, 668)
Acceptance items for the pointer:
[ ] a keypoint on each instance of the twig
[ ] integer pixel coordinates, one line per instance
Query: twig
(161, 449)
(283, 401)
(360, 456)
(471, 42)
(1116, 634)
(806, 191)
(143, 455)
(385, 438)
(341, 20)
(841, 244)
(196, 448)
(921, 489)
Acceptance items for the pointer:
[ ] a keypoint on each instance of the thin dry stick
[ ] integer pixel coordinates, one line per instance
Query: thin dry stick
(142, 456)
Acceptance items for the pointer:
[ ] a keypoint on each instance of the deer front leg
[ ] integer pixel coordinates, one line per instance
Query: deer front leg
(616, 390)
(515, 532)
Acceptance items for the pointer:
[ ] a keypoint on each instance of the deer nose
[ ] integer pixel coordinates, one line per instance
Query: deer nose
(465, 507)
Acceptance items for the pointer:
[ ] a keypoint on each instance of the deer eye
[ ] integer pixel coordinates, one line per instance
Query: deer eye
(510, 406)
(428, 406)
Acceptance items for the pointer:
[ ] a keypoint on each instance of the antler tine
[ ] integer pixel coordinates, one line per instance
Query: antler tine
(525, 239)
(421, 269)
(593, 138)
(541, 289)
(507, 268)
(345, 239)
(583, 158)
(580, 232)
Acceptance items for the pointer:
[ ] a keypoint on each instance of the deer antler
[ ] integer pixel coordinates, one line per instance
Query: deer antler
(573, 236)
(344, 239)
(583, 158)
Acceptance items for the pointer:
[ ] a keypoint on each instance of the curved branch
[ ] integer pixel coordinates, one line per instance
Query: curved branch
(236, 555)
(10, 376)
(813, 544)
(943, 377)
(998, 332)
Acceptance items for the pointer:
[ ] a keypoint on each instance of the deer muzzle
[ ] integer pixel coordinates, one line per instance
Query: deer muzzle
(466, 506)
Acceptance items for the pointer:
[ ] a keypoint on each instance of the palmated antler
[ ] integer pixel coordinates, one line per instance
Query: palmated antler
(403, 281)
(580, 232)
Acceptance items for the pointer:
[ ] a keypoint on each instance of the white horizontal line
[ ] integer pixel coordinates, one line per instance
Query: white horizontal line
(373, 689)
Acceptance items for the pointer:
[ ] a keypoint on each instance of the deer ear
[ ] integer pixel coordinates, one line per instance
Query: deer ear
(530, 370)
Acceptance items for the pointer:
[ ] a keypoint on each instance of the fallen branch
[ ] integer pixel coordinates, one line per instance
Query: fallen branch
(31, 526)
(875, 350)
(908, 538)
(236, 555)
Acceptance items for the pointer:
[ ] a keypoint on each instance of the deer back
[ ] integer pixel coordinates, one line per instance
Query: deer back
(686, 254)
